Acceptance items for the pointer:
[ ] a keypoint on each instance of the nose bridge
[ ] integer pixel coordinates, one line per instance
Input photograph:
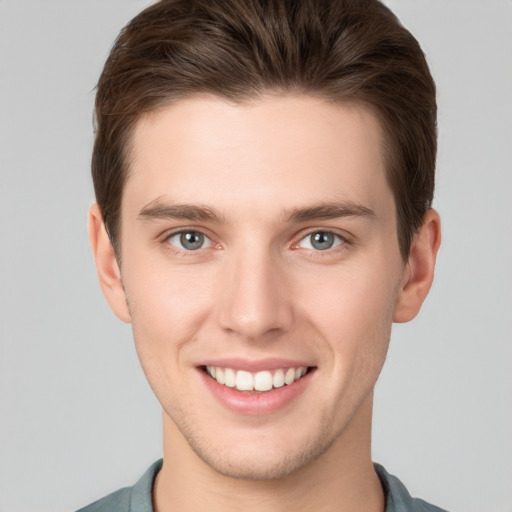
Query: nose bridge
(254, 302)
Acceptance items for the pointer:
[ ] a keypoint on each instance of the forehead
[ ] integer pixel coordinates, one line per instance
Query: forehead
(280, 151)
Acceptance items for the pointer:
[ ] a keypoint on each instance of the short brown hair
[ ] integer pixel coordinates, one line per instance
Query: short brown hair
(340, 50)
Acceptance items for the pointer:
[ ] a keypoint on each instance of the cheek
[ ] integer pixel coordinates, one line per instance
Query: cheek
(166, 311)
(167, 306)
(351, 299)
(353, 313)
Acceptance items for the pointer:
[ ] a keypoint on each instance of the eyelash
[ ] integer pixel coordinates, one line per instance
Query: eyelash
(344, 242)
(184, 252)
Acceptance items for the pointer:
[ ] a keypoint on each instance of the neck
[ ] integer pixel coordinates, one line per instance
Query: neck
(342, 478)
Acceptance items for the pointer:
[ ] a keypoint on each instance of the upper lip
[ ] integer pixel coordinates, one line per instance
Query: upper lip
(254, 365)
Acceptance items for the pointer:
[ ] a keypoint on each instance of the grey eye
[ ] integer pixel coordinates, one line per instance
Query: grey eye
(189, 240)
(320, 241)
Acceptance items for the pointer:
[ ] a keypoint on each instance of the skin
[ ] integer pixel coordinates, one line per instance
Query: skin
(258, 289)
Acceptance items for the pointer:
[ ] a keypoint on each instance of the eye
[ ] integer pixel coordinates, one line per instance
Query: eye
(189, 240)
(320, 241)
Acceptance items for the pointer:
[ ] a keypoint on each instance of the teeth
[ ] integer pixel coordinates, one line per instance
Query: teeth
(278, 379)
(229, 378)
(259, 381)
(263, 381)
(300, 372)
(244, 381)
(289, 376)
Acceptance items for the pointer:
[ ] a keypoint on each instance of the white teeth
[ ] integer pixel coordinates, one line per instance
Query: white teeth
(278, 379)
(244, 381)
(259, 381)
(229, 378)
(290, 376)
(300, 372)
(219, 375)
(262, 381)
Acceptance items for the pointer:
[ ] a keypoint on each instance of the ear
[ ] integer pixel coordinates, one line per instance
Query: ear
(419, 270)
(106, 265)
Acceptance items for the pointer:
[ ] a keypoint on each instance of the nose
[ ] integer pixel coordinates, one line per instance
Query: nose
(255, 300)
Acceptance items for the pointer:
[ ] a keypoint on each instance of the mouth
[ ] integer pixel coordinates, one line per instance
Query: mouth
(262, 381)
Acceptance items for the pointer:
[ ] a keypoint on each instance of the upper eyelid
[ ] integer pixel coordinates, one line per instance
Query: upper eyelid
(340, 237)
(323, 230)
(176, 231)
(345, 236)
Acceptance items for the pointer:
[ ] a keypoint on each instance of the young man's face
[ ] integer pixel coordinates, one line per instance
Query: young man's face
(260, 238)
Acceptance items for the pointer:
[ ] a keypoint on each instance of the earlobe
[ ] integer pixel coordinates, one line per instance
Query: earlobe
(419, 270)
(106, 265)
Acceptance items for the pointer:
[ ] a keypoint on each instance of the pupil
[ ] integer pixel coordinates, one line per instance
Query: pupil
(322, 240)
(191, 240)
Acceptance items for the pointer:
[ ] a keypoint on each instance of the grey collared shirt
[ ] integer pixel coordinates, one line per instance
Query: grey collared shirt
(139, 497)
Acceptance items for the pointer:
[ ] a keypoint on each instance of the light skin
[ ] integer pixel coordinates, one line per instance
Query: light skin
(294, 258)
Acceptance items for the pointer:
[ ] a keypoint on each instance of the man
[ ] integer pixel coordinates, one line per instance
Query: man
(264, 172)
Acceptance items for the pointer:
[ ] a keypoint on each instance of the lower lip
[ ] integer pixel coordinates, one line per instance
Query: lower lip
(255, 403)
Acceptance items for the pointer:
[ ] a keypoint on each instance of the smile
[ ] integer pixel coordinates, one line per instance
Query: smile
(257, 387)
(262, 381)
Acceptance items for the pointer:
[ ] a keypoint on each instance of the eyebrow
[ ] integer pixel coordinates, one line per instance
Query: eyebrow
(324, 211)
(157, 210)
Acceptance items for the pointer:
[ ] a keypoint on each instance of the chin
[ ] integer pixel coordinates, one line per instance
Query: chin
(243, 467)
(263, 461)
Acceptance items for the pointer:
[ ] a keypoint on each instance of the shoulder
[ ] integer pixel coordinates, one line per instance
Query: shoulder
(118, 501)
(129, 499)
(398, 497)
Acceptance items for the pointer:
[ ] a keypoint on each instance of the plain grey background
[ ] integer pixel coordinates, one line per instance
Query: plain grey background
(77, 417)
